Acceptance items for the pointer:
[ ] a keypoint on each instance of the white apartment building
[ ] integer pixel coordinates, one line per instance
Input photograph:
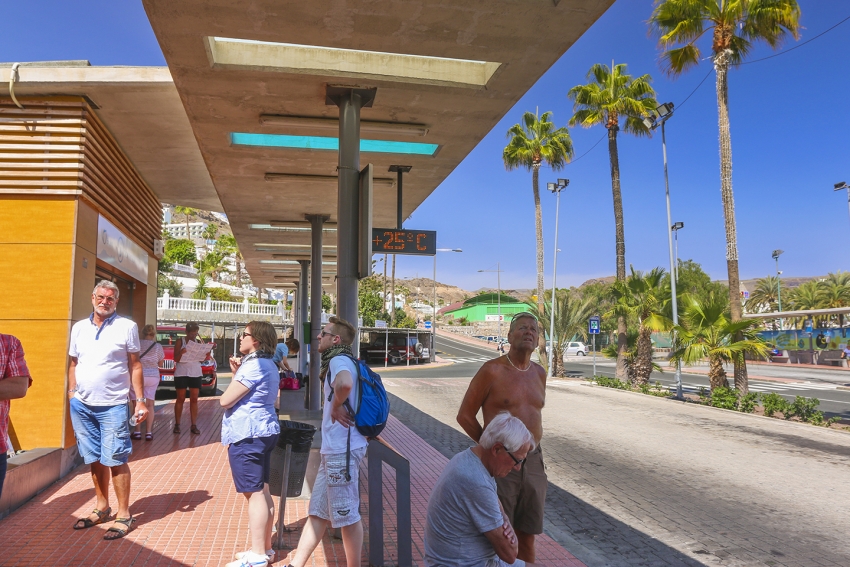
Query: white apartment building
(178, 230)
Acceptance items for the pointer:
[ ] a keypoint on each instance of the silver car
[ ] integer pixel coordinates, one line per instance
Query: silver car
(576, 349)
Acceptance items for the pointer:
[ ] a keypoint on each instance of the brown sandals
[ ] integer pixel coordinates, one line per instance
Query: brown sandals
(102, 516)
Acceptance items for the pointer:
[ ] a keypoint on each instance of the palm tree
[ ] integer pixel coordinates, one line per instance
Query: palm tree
(643, 296)
(570, 320)
(533, 142)
(706, 331)
(227, 244)
(735, 26)
(808, 296)
(765, 296)
(610, 95)
(836, 293)
(188, 211)
(201, 289)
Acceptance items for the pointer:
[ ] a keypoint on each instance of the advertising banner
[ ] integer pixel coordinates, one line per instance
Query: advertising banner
(114, 248)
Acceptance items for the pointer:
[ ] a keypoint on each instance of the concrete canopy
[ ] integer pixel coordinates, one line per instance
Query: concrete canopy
(141, 108)
(236, 64)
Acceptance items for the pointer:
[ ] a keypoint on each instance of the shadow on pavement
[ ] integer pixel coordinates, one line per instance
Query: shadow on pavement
(573, 525)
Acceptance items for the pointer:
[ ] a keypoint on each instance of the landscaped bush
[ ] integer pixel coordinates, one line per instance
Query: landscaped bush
(610, 382)
(773, 403)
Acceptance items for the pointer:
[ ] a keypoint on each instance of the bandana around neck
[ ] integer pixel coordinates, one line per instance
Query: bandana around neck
(329, 354)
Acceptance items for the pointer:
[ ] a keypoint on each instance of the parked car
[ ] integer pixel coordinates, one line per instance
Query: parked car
(576, 349)
(167, 337)
(401, 348)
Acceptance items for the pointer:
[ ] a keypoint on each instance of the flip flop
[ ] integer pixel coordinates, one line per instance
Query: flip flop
(148, 436)
(102, 516)
(136, 435)
(121, 532)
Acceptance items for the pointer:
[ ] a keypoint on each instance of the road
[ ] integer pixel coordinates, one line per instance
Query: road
(817, 383)
(637, 480)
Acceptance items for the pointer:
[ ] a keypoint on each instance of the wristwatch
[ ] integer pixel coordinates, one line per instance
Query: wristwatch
(143, 400)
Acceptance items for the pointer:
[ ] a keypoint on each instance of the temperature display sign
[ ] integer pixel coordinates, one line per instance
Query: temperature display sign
(402, 241)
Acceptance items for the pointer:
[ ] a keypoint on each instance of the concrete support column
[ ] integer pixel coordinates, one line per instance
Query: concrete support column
(303, 317)
(314, 395)
(348, 217)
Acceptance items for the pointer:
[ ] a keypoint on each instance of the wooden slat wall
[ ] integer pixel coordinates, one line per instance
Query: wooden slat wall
(59, 145)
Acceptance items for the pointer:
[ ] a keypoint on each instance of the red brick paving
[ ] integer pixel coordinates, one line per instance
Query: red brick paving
(188, 513)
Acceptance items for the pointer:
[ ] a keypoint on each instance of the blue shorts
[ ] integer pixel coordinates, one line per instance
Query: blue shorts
(102, 433)
(251, 462)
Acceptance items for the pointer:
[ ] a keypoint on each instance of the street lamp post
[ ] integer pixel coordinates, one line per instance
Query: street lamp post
(677, 226)
(843, 185)
(665, 111)
(434, 318)
(776, 254)
(555, 188)
(498, 271)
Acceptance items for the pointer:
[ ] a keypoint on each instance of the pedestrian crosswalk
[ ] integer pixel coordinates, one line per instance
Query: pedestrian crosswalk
(468, 359)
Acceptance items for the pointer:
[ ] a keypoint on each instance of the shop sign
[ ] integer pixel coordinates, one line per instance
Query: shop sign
(114, 248)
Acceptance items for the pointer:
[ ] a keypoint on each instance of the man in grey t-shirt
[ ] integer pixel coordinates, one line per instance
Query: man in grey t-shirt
(465, 525)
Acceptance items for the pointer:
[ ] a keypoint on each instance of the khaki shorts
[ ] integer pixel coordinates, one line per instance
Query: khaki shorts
(334, 498)
(523, 494)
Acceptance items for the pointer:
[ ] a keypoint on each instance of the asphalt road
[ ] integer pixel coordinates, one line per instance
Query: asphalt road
(817, 383)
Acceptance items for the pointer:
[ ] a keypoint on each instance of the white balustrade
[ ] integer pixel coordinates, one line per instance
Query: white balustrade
(209, 305)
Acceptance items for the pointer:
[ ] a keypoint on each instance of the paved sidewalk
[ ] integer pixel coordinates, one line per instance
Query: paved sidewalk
(189, 514)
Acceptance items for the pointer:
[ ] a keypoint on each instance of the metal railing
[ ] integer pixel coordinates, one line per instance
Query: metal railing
(378, 453)
(209, 305)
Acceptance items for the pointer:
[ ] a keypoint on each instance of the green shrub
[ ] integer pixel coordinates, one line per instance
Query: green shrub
(610, 382)
(804, 408)
(773, 403)
(725, 398)
(747, 404)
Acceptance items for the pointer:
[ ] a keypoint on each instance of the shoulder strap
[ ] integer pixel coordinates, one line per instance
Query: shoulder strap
(148, 350)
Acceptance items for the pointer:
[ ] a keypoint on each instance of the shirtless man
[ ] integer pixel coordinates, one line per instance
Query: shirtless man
(513, 383)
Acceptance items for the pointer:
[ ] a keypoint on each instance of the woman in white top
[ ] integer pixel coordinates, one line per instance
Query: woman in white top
(151, 355)
(187, 375)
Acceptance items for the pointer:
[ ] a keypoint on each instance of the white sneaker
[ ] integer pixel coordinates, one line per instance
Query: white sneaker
(250, 559)
(269, 554)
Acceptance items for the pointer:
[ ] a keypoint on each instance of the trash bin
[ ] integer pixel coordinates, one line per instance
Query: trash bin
(300, 437)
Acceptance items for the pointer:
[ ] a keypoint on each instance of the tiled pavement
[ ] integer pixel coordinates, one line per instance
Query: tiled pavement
(188, 513)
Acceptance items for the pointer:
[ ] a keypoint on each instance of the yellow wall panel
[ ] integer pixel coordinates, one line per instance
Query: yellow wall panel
(37, 219)
(38, 419)
(36, 281)
(84, 279)
(86, 227)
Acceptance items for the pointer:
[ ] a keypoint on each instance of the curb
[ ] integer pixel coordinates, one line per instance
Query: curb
(781, 422)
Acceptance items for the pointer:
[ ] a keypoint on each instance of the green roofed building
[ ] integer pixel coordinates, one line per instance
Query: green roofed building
(486, 307)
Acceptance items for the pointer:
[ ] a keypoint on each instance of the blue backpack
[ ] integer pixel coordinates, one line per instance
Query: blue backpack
(373, 406)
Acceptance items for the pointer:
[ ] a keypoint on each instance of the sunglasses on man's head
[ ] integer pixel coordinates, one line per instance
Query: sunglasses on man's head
(523, 314)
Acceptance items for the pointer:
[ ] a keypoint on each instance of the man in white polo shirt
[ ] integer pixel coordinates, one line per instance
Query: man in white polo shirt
(105, 361)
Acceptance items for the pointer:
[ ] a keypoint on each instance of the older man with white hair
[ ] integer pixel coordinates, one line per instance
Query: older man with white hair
(466, 525)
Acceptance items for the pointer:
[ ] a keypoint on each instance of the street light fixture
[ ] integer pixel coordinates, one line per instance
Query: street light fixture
(843, 185)
(776, 254)
(498, 271)
(555, 188)
(664, 112)
(434, 318)
(677, 226)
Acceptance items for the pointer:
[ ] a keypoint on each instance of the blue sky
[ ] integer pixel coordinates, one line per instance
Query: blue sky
(789, 120)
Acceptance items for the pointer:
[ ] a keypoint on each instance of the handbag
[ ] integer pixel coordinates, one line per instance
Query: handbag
(288, 381)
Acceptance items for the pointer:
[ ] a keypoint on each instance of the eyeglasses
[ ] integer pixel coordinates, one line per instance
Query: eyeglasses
(517, 462)
(324, 333)
(243, 334)
(104, 299)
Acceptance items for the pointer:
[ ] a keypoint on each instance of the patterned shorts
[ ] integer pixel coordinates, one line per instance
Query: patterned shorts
(334, 498)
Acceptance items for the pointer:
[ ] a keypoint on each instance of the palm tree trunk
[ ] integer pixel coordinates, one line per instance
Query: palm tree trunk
(538, 225)
(385, 278)
(613, 155)
(188, 236)
(643, 357)
(392, 297)
(716, 374)
(721, 66)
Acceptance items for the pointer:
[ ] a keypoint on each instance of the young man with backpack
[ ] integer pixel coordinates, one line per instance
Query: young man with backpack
(335, 499)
